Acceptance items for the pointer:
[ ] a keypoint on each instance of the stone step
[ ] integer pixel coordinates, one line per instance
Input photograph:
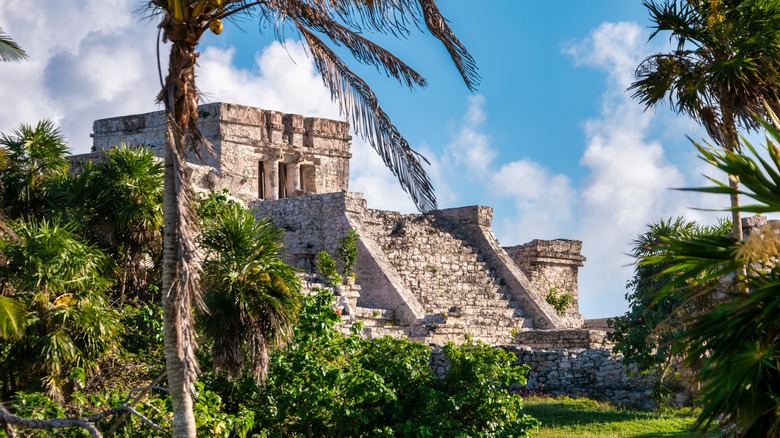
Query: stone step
(442, 304)
(457, 334)
(378, 332)
(370, 313)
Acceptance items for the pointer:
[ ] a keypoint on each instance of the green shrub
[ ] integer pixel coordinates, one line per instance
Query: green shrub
(347, 253)
(341, 385)
(559, 302)
(326, 267)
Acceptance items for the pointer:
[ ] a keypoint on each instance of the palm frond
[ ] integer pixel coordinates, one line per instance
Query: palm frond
(439, 28)
(253, 297)
(369, 120)
(12, 318)
(10, 50)
(361, 48)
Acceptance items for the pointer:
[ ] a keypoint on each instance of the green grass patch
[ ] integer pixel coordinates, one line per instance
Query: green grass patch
(566, 417)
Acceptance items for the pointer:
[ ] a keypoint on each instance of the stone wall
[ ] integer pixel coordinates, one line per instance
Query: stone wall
(564, 338)
(551, 264)
(595, 373)
(578, 372)
(257, 153)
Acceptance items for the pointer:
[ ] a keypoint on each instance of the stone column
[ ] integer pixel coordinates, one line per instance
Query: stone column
(294, 180)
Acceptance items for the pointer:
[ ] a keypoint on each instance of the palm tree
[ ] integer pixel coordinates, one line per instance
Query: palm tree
(54, 282)
(342, 21)
(252, 296)
(646, 333)
(119, 201)
(734, 347)
(725, 66)
(9, 50)
(36, 156)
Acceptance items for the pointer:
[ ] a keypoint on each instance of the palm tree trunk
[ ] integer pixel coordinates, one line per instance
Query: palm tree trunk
(731, 144)
(736, 217)
(177, 299)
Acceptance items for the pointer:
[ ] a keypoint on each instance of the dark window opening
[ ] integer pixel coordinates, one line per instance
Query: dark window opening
(261, 180)
(302, 179)
(282, 181)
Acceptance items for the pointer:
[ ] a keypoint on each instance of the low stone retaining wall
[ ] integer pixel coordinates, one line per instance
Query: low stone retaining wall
(562, 338)
(594, 372)
(578, 372)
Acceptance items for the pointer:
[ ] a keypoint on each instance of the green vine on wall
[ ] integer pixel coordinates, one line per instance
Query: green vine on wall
(559, 302)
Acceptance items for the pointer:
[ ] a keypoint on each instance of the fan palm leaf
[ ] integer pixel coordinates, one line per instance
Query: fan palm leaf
(36, 156)
(252, 296)
(56, 285)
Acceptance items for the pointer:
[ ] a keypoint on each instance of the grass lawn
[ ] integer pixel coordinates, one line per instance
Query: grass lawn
(566, 417)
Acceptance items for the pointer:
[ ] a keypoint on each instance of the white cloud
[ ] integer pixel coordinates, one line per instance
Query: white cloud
(543, 201)
(284, 79)
(77, 72)
(630, 176)
(471, 148)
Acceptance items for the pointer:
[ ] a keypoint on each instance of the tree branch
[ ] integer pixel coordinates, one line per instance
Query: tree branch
(9, 420)
(54, 423)
(136, 399)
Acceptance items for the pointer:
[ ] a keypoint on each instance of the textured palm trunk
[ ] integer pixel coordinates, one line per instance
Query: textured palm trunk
(177, 298)
(731, 144)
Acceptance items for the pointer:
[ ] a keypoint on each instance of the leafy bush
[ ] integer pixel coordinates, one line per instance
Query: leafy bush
(347, 253)
(332, 384)
(559, 302)
(326, 267)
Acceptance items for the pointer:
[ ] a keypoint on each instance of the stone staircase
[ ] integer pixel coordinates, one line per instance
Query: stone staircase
(458, 292)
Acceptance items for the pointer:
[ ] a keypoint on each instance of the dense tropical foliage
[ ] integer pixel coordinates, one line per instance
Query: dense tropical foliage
(55, 284)
(734, 346)
(645, 335)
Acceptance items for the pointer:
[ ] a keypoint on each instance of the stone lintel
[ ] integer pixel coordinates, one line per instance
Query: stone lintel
(558, 259)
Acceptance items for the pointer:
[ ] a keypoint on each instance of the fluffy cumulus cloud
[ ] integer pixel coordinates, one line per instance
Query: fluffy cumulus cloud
(630, 174)
(77, 72)
(543, 201)
(283, 78)
(471, 148)
(537, 201)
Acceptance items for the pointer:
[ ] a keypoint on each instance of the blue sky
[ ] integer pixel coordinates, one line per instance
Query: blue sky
(551, 140)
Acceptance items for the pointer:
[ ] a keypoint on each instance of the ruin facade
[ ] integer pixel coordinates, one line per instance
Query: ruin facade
(434, 278)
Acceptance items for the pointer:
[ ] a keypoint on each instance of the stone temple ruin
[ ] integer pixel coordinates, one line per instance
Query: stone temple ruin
(433, 278)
